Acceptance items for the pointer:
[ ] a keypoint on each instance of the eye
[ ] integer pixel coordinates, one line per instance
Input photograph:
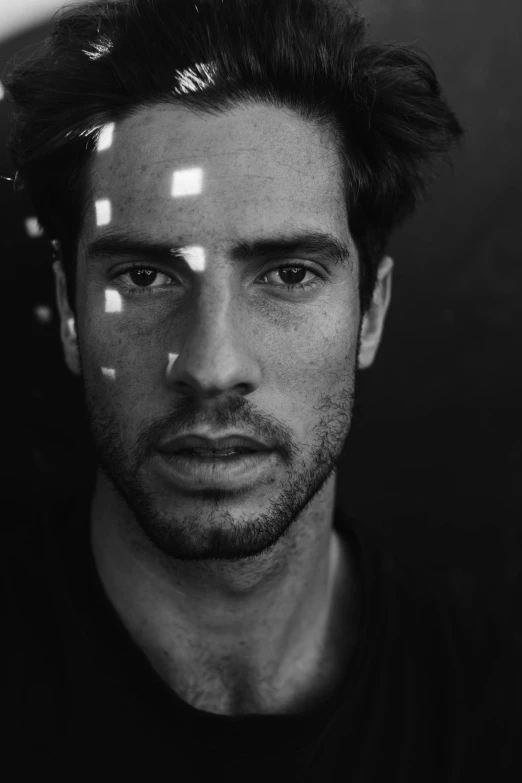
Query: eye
(290, 273)
(142, 279)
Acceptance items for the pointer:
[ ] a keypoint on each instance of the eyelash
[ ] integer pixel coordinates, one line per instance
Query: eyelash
(139, 291)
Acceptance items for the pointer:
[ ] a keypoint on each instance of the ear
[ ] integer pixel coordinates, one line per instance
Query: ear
(68, 334)
(373, 320)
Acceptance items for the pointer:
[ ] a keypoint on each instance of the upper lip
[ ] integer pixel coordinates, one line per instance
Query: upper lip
(212, 444)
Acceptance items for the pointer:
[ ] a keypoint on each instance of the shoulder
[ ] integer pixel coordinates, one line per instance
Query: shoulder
(457, 655)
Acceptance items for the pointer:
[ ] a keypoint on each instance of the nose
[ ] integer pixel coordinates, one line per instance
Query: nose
(217, 354)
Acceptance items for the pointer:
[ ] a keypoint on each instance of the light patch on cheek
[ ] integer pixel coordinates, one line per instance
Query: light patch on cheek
(113, 304)
(187, 182)
(113, 301)
(106, 137)
(72, 328)
(195, 257)
(103, 212)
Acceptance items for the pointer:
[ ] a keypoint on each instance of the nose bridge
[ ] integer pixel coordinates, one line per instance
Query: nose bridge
(215, 311)
(214, 354)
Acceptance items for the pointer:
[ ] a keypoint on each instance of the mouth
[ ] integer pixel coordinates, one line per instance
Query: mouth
(192, 470)
(211, 454)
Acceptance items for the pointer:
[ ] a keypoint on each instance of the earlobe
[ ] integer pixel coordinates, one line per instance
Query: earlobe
(373, 320)
(369, 341)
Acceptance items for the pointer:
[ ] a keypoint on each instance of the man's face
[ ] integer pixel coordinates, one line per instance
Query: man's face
(212, 344)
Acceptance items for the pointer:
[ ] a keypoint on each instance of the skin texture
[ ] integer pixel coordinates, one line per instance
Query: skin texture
(244, 600)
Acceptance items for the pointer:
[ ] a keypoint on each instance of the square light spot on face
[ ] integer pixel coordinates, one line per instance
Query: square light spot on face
(187, 182)
(103, 212)
(106, 137)
(33, 228)
(108, 372)
(113, 301)
(195, 257)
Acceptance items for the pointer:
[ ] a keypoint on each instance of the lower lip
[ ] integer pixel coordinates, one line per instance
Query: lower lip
(195, 472)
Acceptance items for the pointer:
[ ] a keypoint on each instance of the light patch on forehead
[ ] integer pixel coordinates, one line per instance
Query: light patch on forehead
(109, 372)
(194, 256)
(187, 182)
(106, 137)
(103, 212)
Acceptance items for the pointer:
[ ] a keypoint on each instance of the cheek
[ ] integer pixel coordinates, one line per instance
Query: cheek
(316, 357)
(115, 346)
(304, 354)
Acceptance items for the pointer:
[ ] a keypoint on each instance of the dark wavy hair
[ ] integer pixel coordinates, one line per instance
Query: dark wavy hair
(107, 59)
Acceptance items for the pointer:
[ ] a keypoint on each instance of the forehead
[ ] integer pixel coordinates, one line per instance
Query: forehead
(179, 174)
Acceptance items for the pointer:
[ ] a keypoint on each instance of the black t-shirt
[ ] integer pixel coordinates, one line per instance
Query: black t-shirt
(426, 695)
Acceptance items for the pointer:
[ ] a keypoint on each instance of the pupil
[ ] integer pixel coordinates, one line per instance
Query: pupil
(293, 270)
(142, 276)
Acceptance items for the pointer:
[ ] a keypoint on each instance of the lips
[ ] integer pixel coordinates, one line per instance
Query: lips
(198, 445)
(213, 452)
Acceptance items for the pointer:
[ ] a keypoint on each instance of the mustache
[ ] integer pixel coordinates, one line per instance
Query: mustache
(233, 414)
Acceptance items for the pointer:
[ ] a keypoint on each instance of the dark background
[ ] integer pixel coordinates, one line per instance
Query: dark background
(434, 465)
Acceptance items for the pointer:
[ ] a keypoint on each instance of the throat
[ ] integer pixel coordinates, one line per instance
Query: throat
(312, 672)
(235, 693)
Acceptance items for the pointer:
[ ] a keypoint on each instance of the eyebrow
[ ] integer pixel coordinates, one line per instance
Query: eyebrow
(120, 244)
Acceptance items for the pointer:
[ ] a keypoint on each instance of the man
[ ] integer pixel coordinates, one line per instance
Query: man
(220, 181)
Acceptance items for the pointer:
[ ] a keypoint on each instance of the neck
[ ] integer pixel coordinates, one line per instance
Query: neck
(255, 632)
